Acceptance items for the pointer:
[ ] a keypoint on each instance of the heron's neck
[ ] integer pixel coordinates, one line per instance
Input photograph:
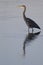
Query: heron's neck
(24, 12)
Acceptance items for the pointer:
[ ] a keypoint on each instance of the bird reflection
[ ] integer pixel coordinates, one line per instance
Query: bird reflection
(29, 38)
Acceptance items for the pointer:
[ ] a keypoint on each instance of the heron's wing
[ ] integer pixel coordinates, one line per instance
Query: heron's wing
(33, 24)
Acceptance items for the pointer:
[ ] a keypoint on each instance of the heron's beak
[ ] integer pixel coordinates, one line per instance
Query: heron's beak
(20, 6)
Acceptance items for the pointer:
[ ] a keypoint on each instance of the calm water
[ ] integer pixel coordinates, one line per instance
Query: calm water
(17, 47)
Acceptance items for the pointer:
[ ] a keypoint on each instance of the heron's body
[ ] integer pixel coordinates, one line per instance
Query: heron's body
(30, 23)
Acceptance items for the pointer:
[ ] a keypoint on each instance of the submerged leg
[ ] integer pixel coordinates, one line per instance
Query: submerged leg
(32, 30)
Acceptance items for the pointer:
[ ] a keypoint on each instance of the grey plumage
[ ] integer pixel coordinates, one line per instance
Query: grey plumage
(30, 23)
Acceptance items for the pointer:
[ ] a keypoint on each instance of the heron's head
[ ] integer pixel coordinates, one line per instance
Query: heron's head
(22, 6)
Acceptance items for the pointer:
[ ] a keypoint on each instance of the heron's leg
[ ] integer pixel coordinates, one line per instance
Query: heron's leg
(32, 30)
(28, 30)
